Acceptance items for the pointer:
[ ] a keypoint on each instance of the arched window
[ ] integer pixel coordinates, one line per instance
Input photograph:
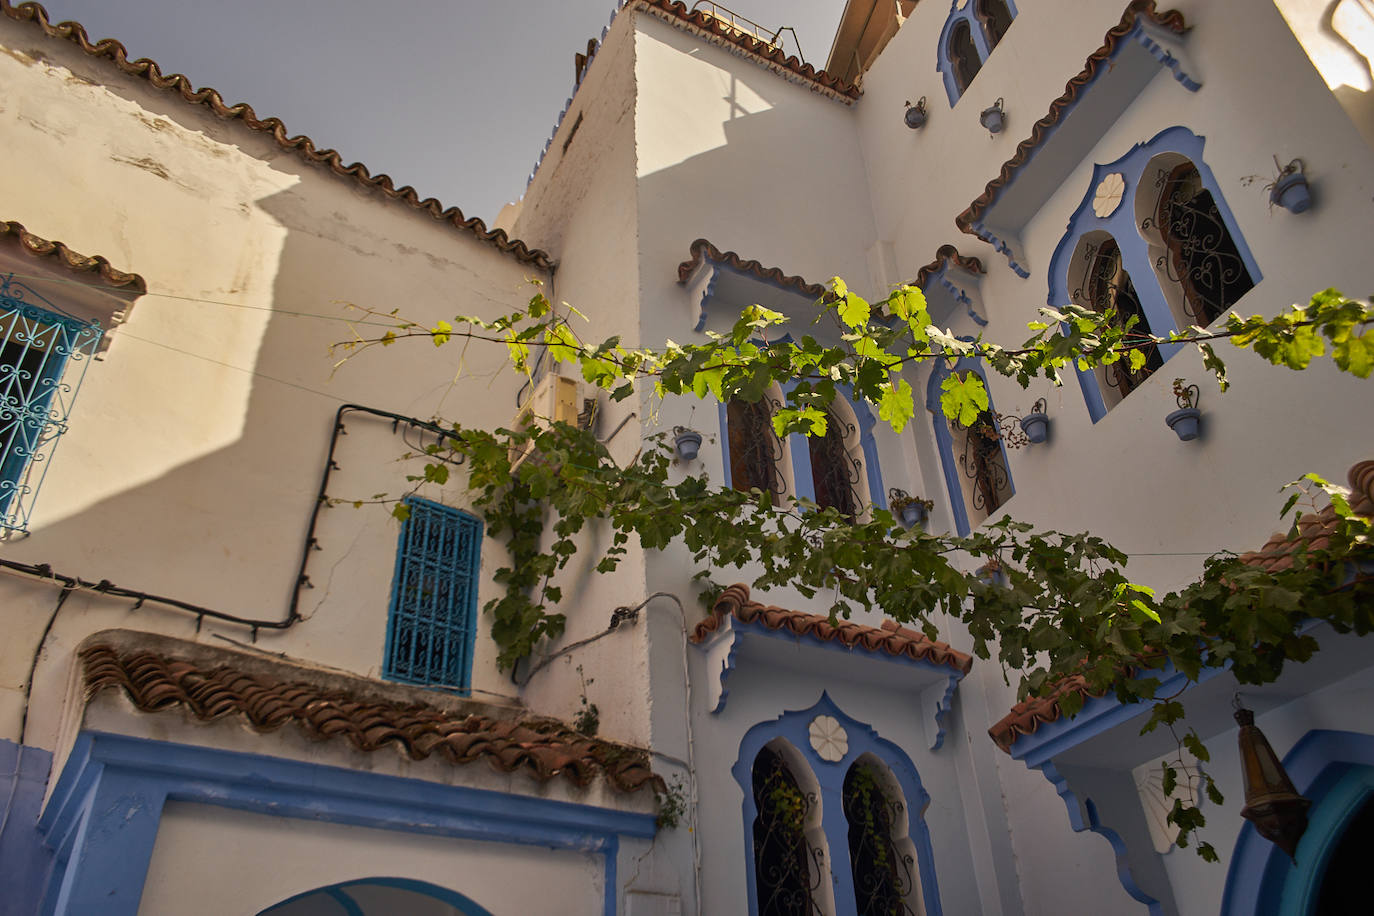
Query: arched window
(787, 869)
(973, 457)
(963, 55)
(1200, 256)
(973, 29)
(1151, 238)
(837, 471)
(755, 453)
(882, 857)
(1105, 286)
(995, 17)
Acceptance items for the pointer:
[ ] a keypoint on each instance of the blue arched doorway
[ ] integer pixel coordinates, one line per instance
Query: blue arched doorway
(378, 897)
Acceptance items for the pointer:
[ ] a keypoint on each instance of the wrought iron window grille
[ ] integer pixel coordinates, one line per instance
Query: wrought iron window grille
(44, 353)
(1107, 288)
(788, 870)
(981, 459)
(755, 452)
(431, 626)
(1201, 256)
(835, 472)
(884, 875)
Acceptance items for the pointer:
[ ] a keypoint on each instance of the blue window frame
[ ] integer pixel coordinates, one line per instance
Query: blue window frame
(971, 31)
(38, 345)
(433, 617)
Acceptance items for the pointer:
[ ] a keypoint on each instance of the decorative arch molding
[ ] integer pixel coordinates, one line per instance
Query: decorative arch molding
(339, 894)
(1335, 770)
(945, 445)
(951, 281)
(848, 740)
(1127, 180)
(965, 13)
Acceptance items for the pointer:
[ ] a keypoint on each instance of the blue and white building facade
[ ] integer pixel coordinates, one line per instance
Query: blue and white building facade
(236, 681)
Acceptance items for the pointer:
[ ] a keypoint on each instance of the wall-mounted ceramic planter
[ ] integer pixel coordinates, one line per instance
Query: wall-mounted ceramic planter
(914, 514)
(687, 442)
(1036, 426)
(916, 114)
(1291, 193)
(993, 117)
(1186, 422)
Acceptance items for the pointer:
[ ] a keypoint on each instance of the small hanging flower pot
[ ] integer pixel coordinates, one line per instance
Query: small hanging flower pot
(1186, 422)
(912, 511)
(994, 118)
(687, 442)
(1036, 424)
(1290, 189)
(916, 114)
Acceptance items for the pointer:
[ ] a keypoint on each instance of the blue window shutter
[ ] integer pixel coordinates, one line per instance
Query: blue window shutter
(433, 616)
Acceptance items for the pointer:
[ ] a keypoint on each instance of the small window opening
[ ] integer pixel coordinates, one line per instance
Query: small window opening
(787, 870)
(996, 19)
(884, 872)
(755, 452)
(1110, 291)
(963, 55)
(835, 473)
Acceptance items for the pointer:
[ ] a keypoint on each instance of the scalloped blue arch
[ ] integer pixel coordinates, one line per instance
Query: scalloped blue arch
(944, 442)
(1120, 224)
(1335, 770)
(793, 726)
(338, 892)
(943, 65)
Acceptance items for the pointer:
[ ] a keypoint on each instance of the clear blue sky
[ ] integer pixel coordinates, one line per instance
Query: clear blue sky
(454, 97)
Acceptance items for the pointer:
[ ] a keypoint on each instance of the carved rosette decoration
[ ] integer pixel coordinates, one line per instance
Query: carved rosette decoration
(1108, 195)
(828, 739)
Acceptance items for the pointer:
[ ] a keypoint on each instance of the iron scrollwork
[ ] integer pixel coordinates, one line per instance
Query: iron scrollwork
(1107, 288)
(787, 869)
(834, 471)
(755, 452)
(982, 460)
(884, 875)
(1202, 257)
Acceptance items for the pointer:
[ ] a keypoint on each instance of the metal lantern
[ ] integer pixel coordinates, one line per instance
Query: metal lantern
(1272, 804)
(915, 116)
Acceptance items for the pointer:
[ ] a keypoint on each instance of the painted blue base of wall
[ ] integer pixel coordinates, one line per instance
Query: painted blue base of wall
(24, 862)
(103, 817)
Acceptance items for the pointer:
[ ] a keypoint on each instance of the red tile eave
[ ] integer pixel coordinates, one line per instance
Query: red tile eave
(94, 270)
(947, 255)
(722, 32)
(541, 748)
(303, 146)
(703, 250)
(1172, 20)
(1278, 553)
(889, 639)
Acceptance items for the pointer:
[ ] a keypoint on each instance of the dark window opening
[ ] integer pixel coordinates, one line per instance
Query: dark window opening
(996, 19)
(983, 462)
(1345, 882)
(884, 876)
(755, 453)
(1202, 256)
(787, 871)
(963, 55)
(1109, 290)
(835, 473)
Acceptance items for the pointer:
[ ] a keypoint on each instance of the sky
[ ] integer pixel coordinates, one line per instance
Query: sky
(453, 97)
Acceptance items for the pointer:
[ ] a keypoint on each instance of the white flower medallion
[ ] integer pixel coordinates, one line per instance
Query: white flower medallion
(828, 738)
(1108, 195)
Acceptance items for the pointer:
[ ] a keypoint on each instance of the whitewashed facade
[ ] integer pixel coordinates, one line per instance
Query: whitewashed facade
(694, 171)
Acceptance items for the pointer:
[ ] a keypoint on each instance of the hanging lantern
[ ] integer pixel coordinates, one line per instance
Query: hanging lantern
(1272, 804)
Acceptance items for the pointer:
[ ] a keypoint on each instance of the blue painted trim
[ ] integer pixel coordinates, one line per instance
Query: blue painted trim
(611, 903)
(706, 296)
(946, 282)
(1121, 226)
(1326, 826)
(1084, 817)
(104, 811)
(339, 892)
(1258, 877)
(1140, 35)
(723, 411)
(944, 442)
(803, 475)
(877, 493)
(792, 726)
(24, 861)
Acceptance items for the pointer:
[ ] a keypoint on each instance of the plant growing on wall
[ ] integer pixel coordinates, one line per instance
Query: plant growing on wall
(1063, 605)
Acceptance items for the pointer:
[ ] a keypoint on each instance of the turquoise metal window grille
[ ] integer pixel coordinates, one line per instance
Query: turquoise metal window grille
(44, 353)
(433, 616)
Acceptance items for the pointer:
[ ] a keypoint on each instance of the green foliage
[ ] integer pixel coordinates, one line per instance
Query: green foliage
(1063, 605)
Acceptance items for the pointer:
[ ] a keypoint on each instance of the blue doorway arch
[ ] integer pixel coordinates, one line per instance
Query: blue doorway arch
(377, 897)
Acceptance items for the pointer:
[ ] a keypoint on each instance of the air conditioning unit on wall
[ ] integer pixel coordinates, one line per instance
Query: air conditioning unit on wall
(555, 399)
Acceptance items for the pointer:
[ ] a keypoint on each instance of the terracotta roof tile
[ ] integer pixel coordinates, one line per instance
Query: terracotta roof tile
(1278, 553)
(88, 268)
(721, 31)
(1172, 20)
(703, 250)
(143, 68)
(947, 255)
(539, 747)
(889, 639)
